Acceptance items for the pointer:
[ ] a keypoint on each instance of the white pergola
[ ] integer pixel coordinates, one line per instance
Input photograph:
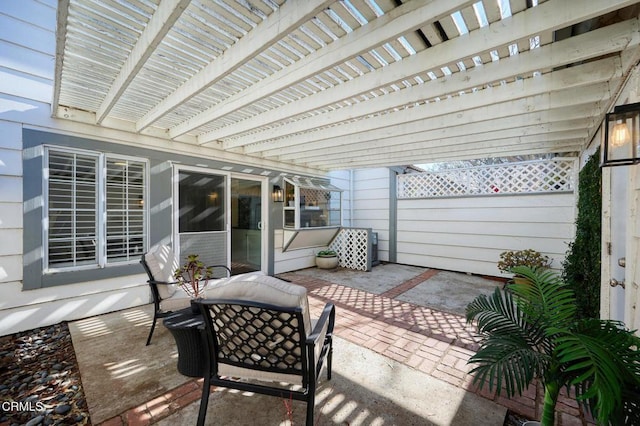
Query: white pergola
(329, 85)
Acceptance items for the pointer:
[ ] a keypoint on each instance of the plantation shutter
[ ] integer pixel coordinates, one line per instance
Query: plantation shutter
(125, 184)
(72, 209)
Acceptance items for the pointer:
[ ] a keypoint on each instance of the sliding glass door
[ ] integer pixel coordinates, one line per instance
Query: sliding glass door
(246, 225)
(201, 216)
(219, 217)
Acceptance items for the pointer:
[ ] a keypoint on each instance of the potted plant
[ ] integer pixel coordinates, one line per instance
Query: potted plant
(531, 331)
(193, 276)
(529, 257)
(327, 259)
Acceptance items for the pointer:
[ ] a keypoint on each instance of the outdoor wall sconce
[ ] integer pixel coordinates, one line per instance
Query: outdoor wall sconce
(622, 136)
(278, 194)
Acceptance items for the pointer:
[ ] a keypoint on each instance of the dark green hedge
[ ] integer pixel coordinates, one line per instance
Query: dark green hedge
(582, 263)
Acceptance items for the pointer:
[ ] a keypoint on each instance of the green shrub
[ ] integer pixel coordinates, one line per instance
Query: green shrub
(531, 258)
(582, 262)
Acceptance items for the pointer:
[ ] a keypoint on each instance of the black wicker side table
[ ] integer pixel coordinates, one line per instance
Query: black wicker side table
(184, 326)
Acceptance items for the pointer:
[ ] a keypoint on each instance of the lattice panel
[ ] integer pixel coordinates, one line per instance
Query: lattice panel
(352, 246)
(527, 177)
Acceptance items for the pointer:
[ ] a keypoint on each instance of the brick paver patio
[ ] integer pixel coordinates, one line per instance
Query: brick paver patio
(436, 343)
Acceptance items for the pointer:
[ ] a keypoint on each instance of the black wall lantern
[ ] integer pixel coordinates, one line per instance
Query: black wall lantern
(622, 136)
(278, 194)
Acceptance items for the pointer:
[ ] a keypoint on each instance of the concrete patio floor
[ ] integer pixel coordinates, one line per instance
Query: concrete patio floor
(400, 357)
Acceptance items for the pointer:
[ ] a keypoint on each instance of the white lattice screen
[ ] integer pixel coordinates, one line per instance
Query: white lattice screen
(352, 246)
(556, 175)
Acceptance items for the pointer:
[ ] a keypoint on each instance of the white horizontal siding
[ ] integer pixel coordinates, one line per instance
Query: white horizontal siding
(10, 162)
(38, 308)
(10, 268)
(468, 234)
(25, 86)
(30, 62)
(12, 242)
(371, 205)
(22, 26)
(11, 189)
(10, 216)
(11, 213)
(290, 260)
(11, 135)
(27, 48)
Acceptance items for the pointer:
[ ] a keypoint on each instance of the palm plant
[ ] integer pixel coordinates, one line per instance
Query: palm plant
(531, 331)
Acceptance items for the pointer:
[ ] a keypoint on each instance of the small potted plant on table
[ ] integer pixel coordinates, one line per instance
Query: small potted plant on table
(193, 277)
(327, 259)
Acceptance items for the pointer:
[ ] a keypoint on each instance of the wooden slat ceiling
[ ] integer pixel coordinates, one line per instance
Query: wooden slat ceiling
(329, 85)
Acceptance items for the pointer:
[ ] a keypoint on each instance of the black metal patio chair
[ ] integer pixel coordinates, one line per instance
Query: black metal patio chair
(261, 339)
(160, 265)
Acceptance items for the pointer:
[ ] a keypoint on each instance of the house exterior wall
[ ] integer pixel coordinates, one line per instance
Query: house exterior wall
(372, 206)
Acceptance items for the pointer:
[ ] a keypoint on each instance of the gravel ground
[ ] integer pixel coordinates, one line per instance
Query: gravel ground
(39, 379)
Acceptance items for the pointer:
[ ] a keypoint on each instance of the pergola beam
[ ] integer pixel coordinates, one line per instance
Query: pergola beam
(494, 117)
(590, 82)
(545, 17)
(61, 36)
(509, 148)
(159, 25)
(486, 131)
(586, 101)
(401, 20)
(277, 26)
(597, 43)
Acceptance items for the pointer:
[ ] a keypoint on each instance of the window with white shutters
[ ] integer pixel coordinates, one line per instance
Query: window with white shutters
(125, 210)
(72, 209)
(81, 188)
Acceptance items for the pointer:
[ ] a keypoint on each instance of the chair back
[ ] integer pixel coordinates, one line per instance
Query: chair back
(160, 264)
(257, 287)
(256, 338)
(257, 328)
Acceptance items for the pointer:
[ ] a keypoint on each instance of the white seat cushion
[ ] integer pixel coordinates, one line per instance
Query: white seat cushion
(162, 263)
(263, 289)
(180, 299)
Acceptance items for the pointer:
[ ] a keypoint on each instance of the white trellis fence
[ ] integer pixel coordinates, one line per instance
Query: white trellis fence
(539, 176)
(354, 247)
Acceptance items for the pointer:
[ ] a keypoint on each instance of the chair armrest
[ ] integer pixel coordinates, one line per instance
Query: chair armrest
(225, 267)
(324, 326)
(163, 282)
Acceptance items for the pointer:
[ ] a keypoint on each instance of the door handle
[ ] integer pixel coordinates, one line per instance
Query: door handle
(613, 283)
(260, 225)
